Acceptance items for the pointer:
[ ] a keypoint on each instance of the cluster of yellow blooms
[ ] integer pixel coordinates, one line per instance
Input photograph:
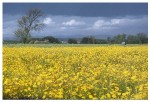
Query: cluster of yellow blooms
(105, 72)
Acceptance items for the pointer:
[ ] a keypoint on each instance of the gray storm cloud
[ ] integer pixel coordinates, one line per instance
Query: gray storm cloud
(76, 26)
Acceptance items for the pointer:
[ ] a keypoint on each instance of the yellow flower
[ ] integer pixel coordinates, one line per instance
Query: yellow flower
(94, 98)
(90, 96)
(114, 96)
(108, 95)
(34, 85)
(44, 97)
(45, 93)
(123, 94)
(25, 90)
(29, 88)
(133, 77)
(60, 96)
(38, 83)
(7, 90)
(119, 93)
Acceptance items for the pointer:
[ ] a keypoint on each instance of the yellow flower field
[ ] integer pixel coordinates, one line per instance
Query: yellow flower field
(105, 72)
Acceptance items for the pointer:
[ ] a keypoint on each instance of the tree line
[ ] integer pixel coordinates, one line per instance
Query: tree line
(140, 38)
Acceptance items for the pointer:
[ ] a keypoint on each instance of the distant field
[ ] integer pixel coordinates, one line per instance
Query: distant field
(66, 45)
(75, 71)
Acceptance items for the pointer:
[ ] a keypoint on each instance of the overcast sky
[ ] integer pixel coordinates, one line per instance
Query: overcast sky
(80, 19)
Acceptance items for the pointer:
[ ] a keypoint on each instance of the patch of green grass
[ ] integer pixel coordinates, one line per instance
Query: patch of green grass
(66, 45)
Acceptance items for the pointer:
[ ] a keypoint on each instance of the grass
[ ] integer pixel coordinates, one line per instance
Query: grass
(65, 45)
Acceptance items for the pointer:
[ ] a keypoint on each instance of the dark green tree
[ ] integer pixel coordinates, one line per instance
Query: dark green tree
(51, 39)
(120, 38)
(132, 39)
(142, 38)
(84, 40)
(88, 40)
(101, 41)
(72, 41)
(109, 40)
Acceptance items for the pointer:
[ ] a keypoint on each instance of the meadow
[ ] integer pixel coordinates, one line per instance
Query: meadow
(93, 72)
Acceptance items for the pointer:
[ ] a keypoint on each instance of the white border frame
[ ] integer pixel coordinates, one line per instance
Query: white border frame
(67, 1)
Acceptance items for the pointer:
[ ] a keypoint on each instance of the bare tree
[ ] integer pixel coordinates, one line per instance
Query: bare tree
(29, 22)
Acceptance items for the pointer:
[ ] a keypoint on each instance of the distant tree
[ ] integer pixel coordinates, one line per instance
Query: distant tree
(142, 38)
(120, 38)
(84, 40)
(10, 42)
(28, 23)
(88, 40)
(72, 41)
(132, 39)
(92, 40)
(109, 40)
(34, 39)
(51, 39)
(101, 41)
